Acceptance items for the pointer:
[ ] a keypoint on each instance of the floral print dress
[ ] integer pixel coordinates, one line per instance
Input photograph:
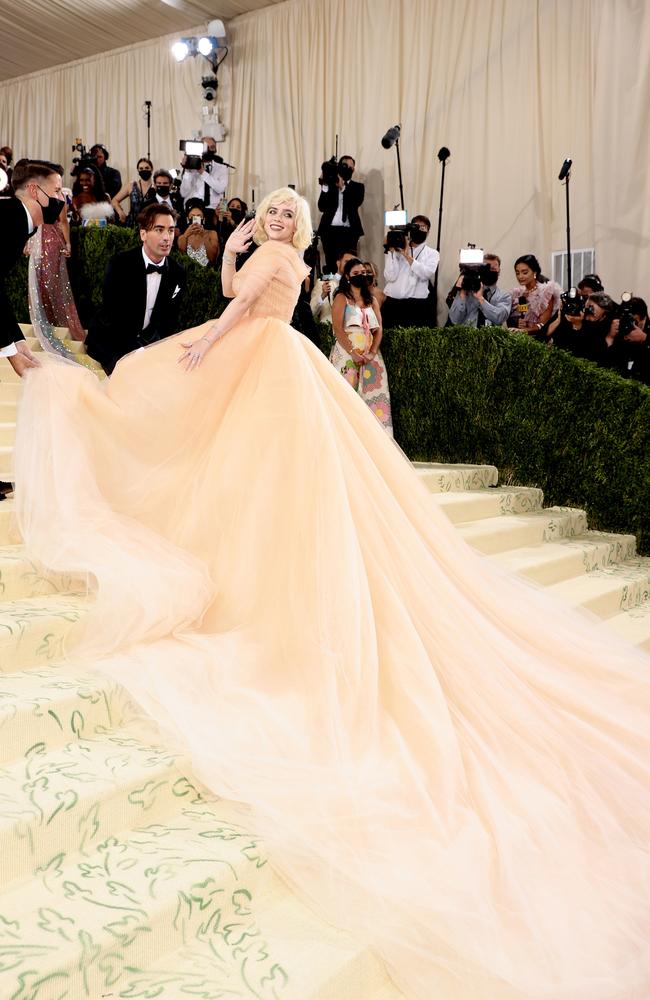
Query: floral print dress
(369, 379)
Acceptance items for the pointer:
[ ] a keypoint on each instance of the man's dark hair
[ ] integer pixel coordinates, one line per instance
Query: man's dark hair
(28, 171)
(346, 156)
(147, 217)
(421, 218)
(163, 173)
(638, 306)
(101, 148)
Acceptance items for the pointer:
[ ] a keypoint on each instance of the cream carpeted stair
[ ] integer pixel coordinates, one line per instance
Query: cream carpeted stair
(120, 877)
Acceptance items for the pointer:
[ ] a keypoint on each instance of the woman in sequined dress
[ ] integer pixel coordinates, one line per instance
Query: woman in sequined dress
(199, 243)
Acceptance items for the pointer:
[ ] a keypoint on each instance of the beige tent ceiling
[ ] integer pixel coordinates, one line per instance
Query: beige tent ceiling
(36, 34)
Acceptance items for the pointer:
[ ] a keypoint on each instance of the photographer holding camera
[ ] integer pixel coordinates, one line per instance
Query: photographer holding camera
(475, 298)
(340, 199)
(206, 179)
(111, 177)
(410, 265)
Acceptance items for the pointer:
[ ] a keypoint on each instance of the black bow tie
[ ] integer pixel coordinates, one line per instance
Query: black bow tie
(152, 269)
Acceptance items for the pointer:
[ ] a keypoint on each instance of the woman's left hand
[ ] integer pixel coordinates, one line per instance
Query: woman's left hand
(67, 250)
(194, 353)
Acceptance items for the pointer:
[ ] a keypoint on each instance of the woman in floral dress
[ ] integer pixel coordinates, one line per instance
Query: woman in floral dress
(358, 334)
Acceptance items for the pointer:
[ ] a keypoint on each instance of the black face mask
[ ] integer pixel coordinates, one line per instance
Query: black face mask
(237, 215)
(52, 210)
(417, 237)
(490, 277)
(359, 280)
(345, 171)
(162, 191)
(145, 174)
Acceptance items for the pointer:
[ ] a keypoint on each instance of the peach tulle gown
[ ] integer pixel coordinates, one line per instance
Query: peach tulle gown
(439, 757)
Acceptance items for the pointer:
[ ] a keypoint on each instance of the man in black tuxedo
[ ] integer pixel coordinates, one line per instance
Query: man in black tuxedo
(142, 292)
(340, 199)
(161, 194)
(39, 196)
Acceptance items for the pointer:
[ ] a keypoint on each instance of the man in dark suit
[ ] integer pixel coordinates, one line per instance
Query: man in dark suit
(340, 199)
(161, 194)
(142, 292)
(39, 196)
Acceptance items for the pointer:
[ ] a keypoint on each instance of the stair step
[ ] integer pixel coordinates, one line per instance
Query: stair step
(117, 906)
(9, 534)
(512, 531)
(550, 562)
(440, 478)
(112, 782)
(197, 970)
(7, 432)
(633, 625)
(55, 704)
(498, 501)
(608, 591)
(22, 577)
(35, 631)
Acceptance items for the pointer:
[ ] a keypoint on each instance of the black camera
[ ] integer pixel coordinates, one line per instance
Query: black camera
(472, 268)
(194, 154)
(626, 318)
(572, 303)
(210, 84)
(84, 158)
(396, 238)
(329, 172)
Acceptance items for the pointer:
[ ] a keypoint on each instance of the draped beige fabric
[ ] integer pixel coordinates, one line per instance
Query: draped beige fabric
(510, 87)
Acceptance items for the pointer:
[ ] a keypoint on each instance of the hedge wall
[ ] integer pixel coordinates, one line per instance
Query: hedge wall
(92, 248)
(543, 417)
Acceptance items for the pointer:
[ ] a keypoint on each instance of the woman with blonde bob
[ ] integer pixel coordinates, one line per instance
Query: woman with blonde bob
(441, 759)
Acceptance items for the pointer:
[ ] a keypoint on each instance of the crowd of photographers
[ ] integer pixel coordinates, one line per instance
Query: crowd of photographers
(584, 320)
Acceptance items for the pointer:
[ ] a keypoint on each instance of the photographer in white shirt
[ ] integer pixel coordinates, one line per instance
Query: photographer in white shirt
(207, 183)
(408, 269)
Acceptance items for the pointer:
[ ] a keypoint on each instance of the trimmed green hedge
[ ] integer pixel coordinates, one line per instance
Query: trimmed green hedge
(579, 432)
(459, 394)
(92, 248)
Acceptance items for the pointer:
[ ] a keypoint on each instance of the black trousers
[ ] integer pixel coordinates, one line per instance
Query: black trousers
(336, 240)
(406, 312)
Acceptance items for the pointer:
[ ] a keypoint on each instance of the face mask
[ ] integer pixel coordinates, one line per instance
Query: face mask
(52, 210)
(145, 174)
(345, 171)
(417, 237)
(359, 280)
(490, 277)
(162, 191)
(237, 215)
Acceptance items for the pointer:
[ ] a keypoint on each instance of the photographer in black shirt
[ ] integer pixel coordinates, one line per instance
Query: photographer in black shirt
(340, 199)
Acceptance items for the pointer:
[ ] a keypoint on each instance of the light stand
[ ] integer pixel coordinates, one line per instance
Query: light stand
(392, 139)
(443, 156)
(147, 118)
(565, 175)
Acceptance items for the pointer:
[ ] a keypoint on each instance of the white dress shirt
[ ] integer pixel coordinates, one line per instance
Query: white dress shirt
(337, 219)
(11, 349)
(410, 281)
(153, 284)
(193, 183)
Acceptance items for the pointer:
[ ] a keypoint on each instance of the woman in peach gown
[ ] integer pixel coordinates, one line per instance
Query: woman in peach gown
(439, 757)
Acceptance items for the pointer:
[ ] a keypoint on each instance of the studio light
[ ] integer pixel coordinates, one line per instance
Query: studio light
(180, 50)
(212, 46)
(206, 44)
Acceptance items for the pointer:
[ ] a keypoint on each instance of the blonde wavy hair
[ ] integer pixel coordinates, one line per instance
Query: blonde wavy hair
(303, 234)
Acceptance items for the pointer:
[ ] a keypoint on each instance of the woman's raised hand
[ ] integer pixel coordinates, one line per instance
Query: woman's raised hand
(240, 238)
